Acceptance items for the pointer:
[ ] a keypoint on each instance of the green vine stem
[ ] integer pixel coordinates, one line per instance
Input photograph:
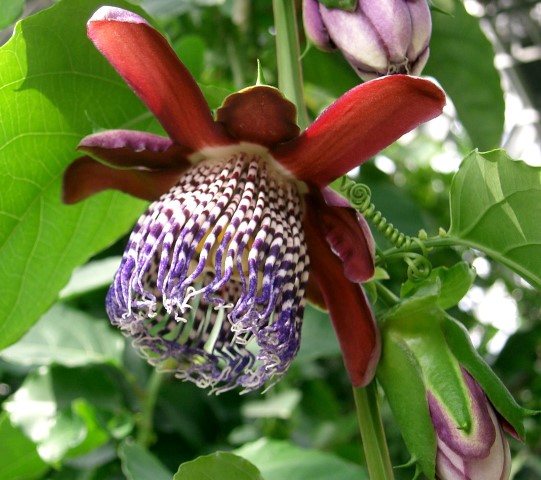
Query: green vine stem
(145, 433)
(288, 56)
(372, 433)
(388, 298)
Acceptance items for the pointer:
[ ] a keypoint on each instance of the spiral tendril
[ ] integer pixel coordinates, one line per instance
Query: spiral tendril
(419, 267)
(359, 196)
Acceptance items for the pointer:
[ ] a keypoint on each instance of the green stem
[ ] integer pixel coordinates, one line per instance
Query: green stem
(146, 426)
(386, 295)
(372, 433)
(446, 241)
(288, 56)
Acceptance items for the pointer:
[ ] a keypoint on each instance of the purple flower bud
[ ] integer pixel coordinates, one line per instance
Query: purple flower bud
(379, 37)
(476, 452)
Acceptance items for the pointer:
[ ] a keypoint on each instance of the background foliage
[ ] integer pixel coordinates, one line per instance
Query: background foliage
(78, 403)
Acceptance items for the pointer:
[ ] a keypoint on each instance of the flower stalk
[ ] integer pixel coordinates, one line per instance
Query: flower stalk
(146, 425)
(373, 436)
(288, 57)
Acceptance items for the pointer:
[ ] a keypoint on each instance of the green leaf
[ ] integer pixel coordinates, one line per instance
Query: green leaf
(97, 384)
(462, 60)
(328, 71)
(318, 337)
(278, 460)
(400, 375)
(218, 466)
(459, 341)
(138, 463)
(94, 435)
(33, 408)
(49, 410)
(275, 405)
(11, 10)
(95, 274)
(191, 50)
(418, 322)
(495, 208)
(24, 462)
(67, 432)
(214, 95)
(68, 337)
(453, 284)
(55, 88)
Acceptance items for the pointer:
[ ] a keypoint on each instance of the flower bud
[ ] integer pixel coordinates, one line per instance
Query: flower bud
(477, 451)
(379, 37)
(448, 403)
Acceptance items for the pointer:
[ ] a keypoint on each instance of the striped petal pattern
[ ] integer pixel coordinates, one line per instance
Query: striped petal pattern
(213, 279)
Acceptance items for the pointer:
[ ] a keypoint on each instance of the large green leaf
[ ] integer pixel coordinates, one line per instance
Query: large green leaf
(496, 207)
(67, 337)
(278, 460)
(11, 10)
(64, 410)
(139, 463)
(276, 405)
(24, 462)
(91, 276)
(462, 60)
(318, 337)
(55, 88)
(218, 466)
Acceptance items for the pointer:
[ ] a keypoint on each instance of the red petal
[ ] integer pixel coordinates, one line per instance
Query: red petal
(350, 313)
(348, 235)
(128, 149)
(85, 177)
(151, 68)
(359, 124)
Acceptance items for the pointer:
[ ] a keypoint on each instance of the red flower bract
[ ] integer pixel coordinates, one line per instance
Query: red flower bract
(243, 227)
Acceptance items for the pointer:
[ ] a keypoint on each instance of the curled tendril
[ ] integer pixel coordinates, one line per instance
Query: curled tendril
(359, 196)
(419, 267)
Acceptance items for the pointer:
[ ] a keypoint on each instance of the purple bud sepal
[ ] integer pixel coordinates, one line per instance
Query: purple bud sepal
(427, 370)
(377, 37)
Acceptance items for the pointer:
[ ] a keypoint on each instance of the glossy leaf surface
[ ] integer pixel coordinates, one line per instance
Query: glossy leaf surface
(280, 459)
(218, 466)
(55, 89)
(495, 207)
(67, 337)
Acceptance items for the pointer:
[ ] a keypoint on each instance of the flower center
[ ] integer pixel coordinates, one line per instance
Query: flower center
(212, 281)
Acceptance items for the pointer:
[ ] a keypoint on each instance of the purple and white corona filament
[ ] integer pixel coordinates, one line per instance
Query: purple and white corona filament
(243, 228)
(214, 275)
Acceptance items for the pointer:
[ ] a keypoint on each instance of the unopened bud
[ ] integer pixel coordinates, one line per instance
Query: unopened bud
(479, 452)
(379, 37)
